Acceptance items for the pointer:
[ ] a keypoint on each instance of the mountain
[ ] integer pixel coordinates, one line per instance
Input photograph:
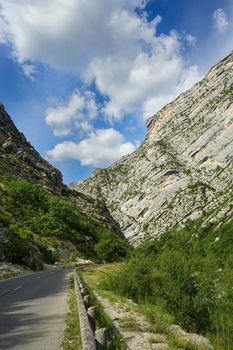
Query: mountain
(183, 169)
(41, 219)
(19, 159)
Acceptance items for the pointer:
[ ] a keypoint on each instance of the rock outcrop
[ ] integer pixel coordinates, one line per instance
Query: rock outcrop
(182, 170)
(19, 159)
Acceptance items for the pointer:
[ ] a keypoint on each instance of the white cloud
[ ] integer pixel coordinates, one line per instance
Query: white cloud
(104, 42)
(129, 81)
(29, 70)
(154, 104)
(76, 113)
(67, 34)
(220, 20)
(191, 40)
(2, 32)
(187, 79)
(101, 148)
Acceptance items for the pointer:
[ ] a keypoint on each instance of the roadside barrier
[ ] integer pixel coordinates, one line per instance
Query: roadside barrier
(92, 339)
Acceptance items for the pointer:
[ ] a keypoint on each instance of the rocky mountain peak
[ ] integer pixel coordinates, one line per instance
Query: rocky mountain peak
(183, 168)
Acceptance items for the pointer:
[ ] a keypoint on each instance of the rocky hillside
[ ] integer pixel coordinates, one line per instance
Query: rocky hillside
(19, 159)
(41, 219)
(182, 170)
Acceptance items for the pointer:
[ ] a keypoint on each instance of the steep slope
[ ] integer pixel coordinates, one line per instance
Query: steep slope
(182, 170)
(19, 159)
(39, 215)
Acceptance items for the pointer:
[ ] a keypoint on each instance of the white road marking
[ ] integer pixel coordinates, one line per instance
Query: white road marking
(17, 288)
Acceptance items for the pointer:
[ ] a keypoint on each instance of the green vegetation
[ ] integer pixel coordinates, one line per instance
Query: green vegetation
(175, 342)
(114, 341)
(72, 337)
(187, 274)
(159, 319)
(109, 249)
(35, 218)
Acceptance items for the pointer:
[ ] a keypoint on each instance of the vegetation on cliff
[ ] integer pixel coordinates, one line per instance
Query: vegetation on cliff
(35, 221)
(188, 272)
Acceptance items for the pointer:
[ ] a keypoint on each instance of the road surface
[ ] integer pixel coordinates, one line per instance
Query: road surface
(33, 310)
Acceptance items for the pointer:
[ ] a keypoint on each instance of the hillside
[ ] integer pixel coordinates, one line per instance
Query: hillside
(182, 170)
(41, 219)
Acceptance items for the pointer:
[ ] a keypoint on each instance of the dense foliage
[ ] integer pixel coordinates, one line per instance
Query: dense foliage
(189, 273)
(33, 217)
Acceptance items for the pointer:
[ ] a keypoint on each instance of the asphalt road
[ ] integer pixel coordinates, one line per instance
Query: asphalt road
(33, 310)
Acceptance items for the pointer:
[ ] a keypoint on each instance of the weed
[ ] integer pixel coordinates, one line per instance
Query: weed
(72, 337)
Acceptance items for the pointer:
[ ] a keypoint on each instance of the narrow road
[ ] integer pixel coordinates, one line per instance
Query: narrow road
(33, 310)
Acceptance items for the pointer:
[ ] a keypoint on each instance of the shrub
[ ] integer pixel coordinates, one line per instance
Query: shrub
(18, 244)
(189, 273)
(50, 256)
(110, 247)
(35, 211)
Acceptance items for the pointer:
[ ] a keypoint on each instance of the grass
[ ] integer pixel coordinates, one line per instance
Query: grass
(176, 343)
(131, 324)
(94, 276)
(72, 337)
(155, 314)
(155, 340)
(114, 341)
(8, 275)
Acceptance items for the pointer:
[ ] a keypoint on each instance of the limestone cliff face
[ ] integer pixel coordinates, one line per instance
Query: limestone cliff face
(182, 169)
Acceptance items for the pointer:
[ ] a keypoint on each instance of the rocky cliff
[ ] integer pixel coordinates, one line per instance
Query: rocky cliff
(19, 159)
(182, 170)
(29, 223)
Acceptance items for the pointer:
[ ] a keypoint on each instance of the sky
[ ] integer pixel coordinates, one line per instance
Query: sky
(81, 77)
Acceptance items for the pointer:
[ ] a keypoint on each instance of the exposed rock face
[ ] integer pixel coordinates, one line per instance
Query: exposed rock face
(19, 159)
(182, 169)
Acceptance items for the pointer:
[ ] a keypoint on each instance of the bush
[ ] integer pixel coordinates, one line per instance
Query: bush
(110, 247)
(4, 218)
(23, 193)
(50, 216)
(189, 273)
(50, 256)
(18, 244)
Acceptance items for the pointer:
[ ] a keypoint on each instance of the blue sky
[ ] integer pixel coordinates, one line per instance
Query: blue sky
(80, 78)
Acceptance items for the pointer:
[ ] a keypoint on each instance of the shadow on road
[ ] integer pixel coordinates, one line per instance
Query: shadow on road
(33, 313)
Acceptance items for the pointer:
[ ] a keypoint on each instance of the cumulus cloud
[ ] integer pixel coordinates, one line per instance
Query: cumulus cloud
(29, 70)
(75, 114)
(65, 34)
(191, 40)
(220, 20)
(101, 148)
(130, 81)
(187, 79)
(105, 42)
